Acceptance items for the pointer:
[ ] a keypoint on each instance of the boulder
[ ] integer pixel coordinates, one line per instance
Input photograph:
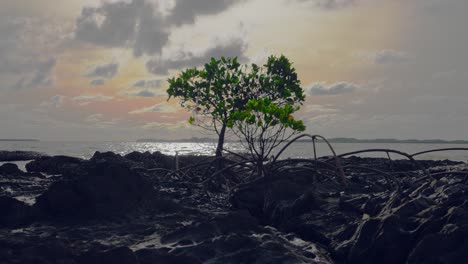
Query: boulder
(148, 160)
(10, 169)
(19, 155)
(54, 165)
(13, 212)
(104, 189)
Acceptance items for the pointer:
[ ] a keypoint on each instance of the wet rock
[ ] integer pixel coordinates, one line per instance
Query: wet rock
(236, 237)
(148, 160)
(233, 222)
(106, 189)
(382, 240)
(54, 165)
(121, 255)
(13, 212)
(150, 256)
(443, 237)
(19, 155)
(249, 197)
(111, 157)
(10, 169)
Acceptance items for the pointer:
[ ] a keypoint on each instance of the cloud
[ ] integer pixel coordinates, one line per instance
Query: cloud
(182, 125)
(122, 24)
(382, 57)
(185, 11)
(184, 59)
(55, 101)
(144, 93)
(139, 24)
(332, 89)
(40, 75)
(97, 82)
(158, 108)
(27, 51)
(98, 121)
(86, 99)
(107, 71)
(331, 4)
(148, 83)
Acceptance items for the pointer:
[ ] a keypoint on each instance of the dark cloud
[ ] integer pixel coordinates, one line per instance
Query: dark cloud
(234, 48)
(185, 11)
(107, 71)
(138, 24)
(123, 24)
(332, 89)
(97, 82)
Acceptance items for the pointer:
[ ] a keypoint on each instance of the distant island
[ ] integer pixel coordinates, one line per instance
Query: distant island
(332, 140)
(392, 140)
(14, 139)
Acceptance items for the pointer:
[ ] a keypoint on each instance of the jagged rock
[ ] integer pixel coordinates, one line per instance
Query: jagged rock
(151, 256)
(13, 212)
(106, 189)
(111, 157)
(122, 255)
(382, 240)
(236, 237)
(149, 160)
(54, 165)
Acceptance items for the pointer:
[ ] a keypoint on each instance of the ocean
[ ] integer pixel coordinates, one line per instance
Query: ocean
(296, 150)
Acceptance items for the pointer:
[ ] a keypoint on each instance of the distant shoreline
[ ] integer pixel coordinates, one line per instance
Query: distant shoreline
(8, 139)
(331, 140)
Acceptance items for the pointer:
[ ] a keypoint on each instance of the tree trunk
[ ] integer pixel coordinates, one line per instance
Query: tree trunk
(219, 148)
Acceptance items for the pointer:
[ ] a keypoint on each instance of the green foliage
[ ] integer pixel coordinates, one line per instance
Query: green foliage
(210, 91)
(256, 102)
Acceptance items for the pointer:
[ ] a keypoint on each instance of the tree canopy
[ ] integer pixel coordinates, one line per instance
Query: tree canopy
(256, 102)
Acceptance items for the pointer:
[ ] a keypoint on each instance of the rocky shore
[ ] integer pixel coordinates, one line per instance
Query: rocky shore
(137, 209)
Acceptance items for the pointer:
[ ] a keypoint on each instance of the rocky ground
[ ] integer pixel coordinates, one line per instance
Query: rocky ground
(136, 209)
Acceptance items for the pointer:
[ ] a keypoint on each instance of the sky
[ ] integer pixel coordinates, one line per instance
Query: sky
(98, 69)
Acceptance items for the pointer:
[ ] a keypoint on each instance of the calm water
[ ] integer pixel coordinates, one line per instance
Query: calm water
(303, 150)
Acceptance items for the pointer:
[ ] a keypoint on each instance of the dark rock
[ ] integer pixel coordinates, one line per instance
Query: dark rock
(448, 246)
(13, 212)
(249, 197)
(54, 165)
(236, 238)
(19, 155)
(111, 157)
(119, 255)
(151, 256)
(10, 169)
(148, 160)
(106, 189)
(382, 240)
(234, 222)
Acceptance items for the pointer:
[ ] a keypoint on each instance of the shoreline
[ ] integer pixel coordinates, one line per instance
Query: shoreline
(136, 208)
